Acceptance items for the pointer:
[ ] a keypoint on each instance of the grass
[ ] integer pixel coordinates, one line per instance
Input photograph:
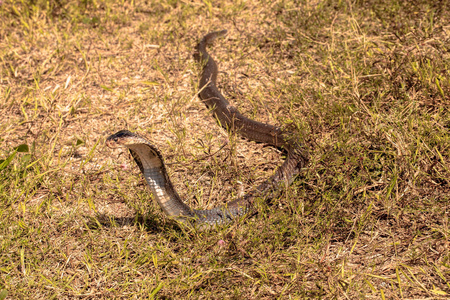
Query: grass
(365, 83)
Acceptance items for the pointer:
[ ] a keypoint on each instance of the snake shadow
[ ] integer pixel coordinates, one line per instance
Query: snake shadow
(151, 223)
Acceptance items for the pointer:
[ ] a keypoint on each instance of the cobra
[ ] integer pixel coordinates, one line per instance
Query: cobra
(151, 163)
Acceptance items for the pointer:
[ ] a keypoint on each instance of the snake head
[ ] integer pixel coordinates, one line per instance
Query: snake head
(120, 138)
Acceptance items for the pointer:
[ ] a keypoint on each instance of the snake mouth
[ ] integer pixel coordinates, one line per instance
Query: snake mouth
(112, 141)
(111, 144)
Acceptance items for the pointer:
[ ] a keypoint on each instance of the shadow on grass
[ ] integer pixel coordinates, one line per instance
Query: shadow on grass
(151, 224)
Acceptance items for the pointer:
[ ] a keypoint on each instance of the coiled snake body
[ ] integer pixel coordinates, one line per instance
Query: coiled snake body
(151, 163)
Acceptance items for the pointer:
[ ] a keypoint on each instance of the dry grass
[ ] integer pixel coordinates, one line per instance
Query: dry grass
(366, 83)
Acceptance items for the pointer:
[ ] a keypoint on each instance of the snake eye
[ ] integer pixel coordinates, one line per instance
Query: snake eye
(116, 139)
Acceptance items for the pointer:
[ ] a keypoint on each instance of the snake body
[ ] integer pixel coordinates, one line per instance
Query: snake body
(151, 162)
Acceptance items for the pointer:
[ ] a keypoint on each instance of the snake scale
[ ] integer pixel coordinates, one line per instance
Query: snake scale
(151, 162)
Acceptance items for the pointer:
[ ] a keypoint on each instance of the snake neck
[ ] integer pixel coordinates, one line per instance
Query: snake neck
(151, 164)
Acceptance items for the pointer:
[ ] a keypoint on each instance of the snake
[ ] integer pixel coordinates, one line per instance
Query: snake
(151, 162)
